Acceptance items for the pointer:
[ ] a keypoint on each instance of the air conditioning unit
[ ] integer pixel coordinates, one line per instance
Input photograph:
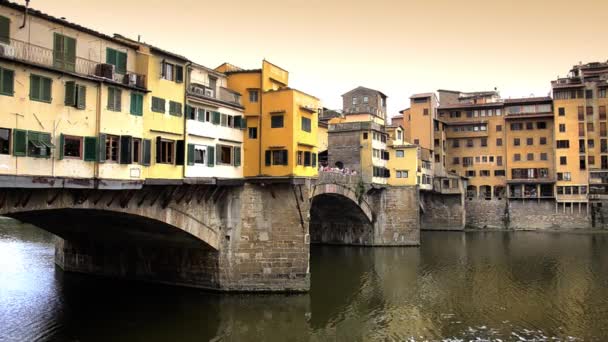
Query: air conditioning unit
(197, 90)
(134, 80)
(105, 70)
(209, 92)
(7, 50)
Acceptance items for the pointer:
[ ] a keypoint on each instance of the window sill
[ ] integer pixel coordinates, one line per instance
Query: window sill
(44, 101)
(114, 110)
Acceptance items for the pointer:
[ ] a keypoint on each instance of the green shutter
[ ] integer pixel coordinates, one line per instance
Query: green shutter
(237, 156)
(70, 54)
(5, 27)
(210, 155)
(90, 149)
(70, 93)
(58, 50)
(268, 157)
(314, 160)
(179, 74)
(121, 62)
(101, 148)
(61, 145)
(111, 56)
(243, 122)
(34, 87)
(19, 142)
(81, 100)
(47, 85)
(137, 104)
(218, 154)
(237, 121)
(191, 154)
(201, 114)
(147, 155)
(216, 118)
(285, 159)
(7, 80)
(126, 153)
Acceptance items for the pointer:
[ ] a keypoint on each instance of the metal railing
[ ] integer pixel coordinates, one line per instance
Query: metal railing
(35, 54)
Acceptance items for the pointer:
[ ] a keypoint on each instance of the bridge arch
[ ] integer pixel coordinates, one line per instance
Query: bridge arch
(338, 215)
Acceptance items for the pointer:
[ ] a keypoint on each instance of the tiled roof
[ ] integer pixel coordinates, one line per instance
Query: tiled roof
(364, 88)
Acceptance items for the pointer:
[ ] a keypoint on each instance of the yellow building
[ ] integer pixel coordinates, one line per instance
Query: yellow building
(403, 158)
(63, 88)
(282, 122)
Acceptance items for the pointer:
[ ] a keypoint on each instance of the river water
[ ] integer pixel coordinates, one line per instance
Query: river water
(489, 286)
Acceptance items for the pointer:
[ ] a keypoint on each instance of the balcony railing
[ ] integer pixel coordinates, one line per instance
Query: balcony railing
(34, 54)
(205, 91)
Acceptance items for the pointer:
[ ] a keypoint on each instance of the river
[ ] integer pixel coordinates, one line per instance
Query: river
(488, 286)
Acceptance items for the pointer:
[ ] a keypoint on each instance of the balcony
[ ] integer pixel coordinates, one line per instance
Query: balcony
(37, 55)
(207, 92)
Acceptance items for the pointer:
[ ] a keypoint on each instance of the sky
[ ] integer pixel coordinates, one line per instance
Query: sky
(400, 47)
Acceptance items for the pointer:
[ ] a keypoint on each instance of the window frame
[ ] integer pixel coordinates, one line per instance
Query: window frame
(39, 97)
(80, 140)
(274, 124)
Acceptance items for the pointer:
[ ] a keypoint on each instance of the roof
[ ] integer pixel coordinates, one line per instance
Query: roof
(75, 26)
(153, 48)
(404, 110)
(449, 91)
(528, 100)
(470, 105)
(364, 88)
(422, 95)
(243, 71)
(293, 89)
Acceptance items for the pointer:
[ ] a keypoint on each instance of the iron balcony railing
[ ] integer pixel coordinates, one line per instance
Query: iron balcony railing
(218, 93)
(35, 54)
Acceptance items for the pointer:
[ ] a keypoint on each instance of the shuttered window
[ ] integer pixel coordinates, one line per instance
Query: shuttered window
(158, 105)
(39, 144)
(237, 156)
(19, 142)
(40, 88)
(7, 82)
(90, 149)
(118, 59)
(175, 108)
(5, 30)
(114, 99)
(179, 74)
(306, 124)
(210, 156)
(137, 104)
(191, 152)
(64, 52)
(75, 95)
(216, 118)
(147, 152)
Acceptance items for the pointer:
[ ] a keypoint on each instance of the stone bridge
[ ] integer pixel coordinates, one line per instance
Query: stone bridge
(226, 235)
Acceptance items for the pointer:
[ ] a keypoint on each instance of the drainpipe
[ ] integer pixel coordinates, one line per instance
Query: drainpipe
(27, 5)
(98, 130)
(260, 120)
(186, 84)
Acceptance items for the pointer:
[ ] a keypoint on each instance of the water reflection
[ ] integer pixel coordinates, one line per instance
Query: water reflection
(507, 286)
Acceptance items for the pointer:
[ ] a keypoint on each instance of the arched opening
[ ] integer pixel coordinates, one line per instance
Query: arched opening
(485, 191)
(337, 219)
(119, 244)
(471, 191)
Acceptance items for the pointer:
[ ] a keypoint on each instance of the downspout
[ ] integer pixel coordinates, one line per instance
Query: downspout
(27, 5)
(186, 84)
(260, 121)
(98, 130)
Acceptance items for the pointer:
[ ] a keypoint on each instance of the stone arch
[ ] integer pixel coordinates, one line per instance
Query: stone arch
(349, 193)
(41, 206)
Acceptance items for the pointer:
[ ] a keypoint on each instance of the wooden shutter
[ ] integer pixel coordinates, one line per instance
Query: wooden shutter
(147, 155)
(158, 149)
(81, 97)
(191, 152)
(118, 99)
(101, 148)
(216, 118)
(179, 153)
(210, 155)
(90, 149)
(268, 157)
(201, 114)
(314, 160)
(70, 93)
(179, 74)
(218, 154)
(61, 145)
(5, 26)
(70, 53)
(243, 122)
(110, 56)
(126, 157)
(237, 156)
(121, 62)
(34, 87)
(137, 104)
(58, 51)
(47, 85)
(19, 142)
(8, 80)
(285, 162)
(163, 69)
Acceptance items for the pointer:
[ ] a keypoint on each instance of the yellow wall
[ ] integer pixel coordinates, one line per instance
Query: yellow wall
(273, 77)
(409, 163)
(421, 126)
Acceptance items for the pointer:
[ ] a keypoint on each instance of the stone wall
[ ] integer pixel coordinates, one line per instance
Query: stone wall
(442, 212)
(397, 221)
(533, 214)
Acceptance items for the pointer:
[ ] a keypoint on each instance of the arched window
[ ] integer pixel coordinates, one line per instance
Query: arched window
(339, 165)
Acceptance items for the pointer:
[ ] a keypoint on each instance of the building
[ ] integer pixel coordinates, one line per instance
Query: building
(214, 126)
(282, 122)
(71, 101)
(364, 104)
(403, 158)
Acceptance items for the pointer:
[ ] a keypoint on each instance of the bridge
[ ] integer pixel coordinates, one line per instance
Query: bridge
(247, 235)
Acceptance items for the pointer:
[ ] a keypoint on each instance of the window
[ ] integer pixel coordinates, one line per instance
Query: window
(484, 142)
(5, 139)
(137, 104)
(581, 129)
(402, 174)
(114, 99)
(563, 144)
(518, 126)
(498, 128)
(591, 143)
(456, 143)
(416, 142)
(588, 93)
(354, 100)
(64, 52)
(529, 125)
(543, 140)
(253, 132)
(175, 108)
(591, 160)
(561, 111)
(118, 59)
(581, 113)
(563, 160)
(484, 173)
(529, 141)
(365, 99)
(5, 27)
(136, 151)
(224, 154)
(582, 163)
(7, 78)
(165, 151)
(158, 105)
(200, 154)
(172, 72)
(364, 135)
(276, 121)
(470, 173)
(112, 148)
(564, 176)
(307, 158)
(470, 143)
(40, 88)
(543, 156)
(562, 128)
(399, 153)
(455, 160)
(467, 161)
(590, 127)
(530, 156)
(276, 157)
(306, 123)
(425, 111)
(71, 147)
(516, 142)
(499, 160)
(602, 110)
(498, 141)
(516, 157)
(499, 173)
(253, 96)
(541, 125)
(75, 95)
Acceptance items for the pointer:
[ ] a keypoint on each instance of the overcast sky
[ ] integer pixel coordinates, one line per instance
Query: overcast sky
(398, 47)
